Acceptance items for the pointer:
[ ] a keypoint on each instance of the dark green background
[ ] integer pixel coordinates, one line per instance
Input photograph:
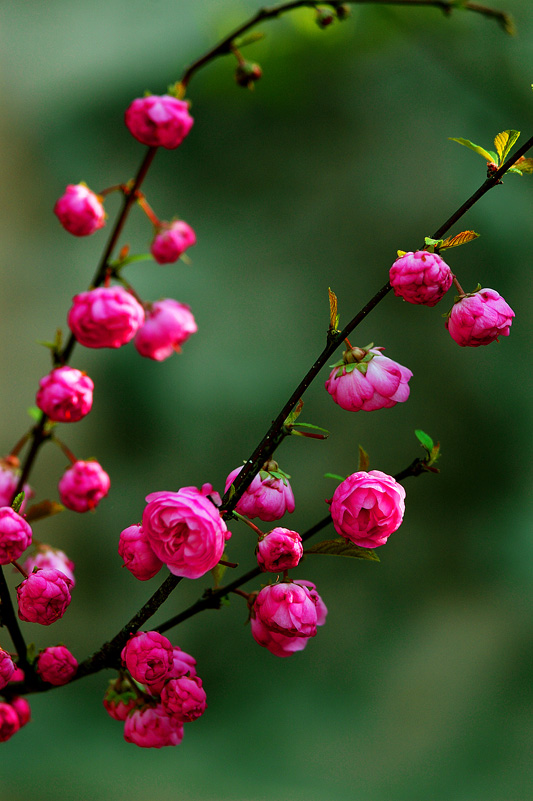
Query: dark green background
(419, 686)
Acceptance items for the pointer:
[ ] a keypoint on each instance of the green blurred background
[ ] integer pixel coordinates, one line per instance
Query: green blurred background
(419, 686)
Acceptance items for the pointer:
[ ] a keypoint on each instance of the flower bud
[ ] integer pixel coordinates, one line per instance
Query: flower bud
(15, 535)
(479, 318)
(247, 73)
(167, 326)
(82, 486)
(22, 708)
(268, 496)
(280, 549)
(171, 240)
(159, 120)
(7, 668)
(420, 277)
(44, 596)
(120, 698)
(106, 317)
(9, 479)
(65, 395)
(148, 656)
(286, 608)
(80, 211)
(56, 665)
(343, 11)
(138, 557)
(367, 508)
(184, 698)
(46, 556)
(365, 380)
(9, 722)
(183, 664)
(324, 17)
(150, 727)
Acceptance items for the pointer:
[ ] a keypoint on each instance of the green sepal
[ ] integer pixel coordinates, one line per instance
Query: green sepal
(342, 547)
(364, 460)
(231, 492)
(335, 476)
(31, 653)
(310, 425)
(401, 253)
(488, 156)
(218, 572)
(434, 243)
(18, 500)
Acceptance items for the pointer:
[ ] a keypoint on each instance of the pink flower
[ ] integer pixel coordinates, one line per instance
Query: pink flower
(366, 380)
(183, 664)
(148, 656)
(46, 556)
(185, 530)
(367, 508)
(7, 668)
(150, 727)
(281, 644)
(9, 478)
(65, 395)
(420, 277)
(56, 665)
(79, 210)
(184, 698)
(106, 317)
(167, 326)
(138, 557)
(269, 495)
(280, 549)
(15, 535)
(120, 698)
(171, 240)
(321, 608)
(83, 486)
(9, 722)
(159, 120)
(44, 596)
(479, 318)
(22, 708)
(286, 608)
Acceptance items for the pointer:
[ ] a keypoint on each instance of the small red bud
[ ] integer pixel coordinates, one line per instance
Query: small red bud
(247, 73)
(343, 11)
(324, 17)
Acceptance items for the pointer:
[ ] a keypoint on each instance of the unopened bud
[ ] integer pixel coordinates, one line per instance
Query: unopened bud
(343, 11)
(247, 73)
(324, 17)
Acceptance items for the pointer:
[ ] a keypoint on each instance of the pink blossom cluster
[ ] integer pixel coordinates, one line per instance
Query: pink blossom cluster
(279, 549)
(365, 380)
(268, 497)
(420, 277)
(43, 597)
(56, 665)
(170, 692)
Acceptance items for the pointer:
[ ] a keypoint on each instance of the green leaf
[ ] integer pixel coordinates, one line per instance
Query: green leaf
(335, 476)
(250, 39)
(310, 425)
(289, 421)
(34, 413)
(364, 460)
(131, 260)
(435, 243)
(424, 439)
(218, 572)
(459, 239)
(504, 142)
(401, 253)
(523, 165)
(18, 500)
(342, 547)
(476, 148)
(333, 310)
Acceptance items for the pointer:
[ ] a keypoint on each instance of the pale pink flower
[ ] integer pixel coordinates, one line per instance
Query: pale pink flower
(184, 698)
(287, 608)
(65, 395)
(7, 668)
(44, 596)
(167, 326)
(185, 530)
(82, 486)
(280, 549)
(46, 556)
(137, 554)
(22, 708)
(268, 497)
(171, 240)
(159, 120)
(479, 318)
(366, 380)
(150, 727)
(56, 665)
(79, 210)
(148, 656)
(105, 317)
(15, 535)
(367, 508)
(9, 722)
(420, 277)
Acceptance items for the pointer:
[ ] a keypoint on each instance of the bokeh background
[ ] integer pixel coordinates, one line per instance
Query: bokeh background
(419, 686)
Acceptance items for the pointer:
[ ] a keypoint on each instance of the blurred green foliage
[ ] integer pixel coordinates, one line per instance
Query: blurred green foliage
(419, 686)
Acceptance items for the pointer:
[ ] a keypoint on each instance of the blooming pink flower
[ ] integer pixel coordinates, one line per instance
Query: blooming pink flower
(268, 496)
(9, 478)
(22, 708)
(17, 676)
(80, 211)
(184, 698)
(479, 318)
(105, 317)
(120, 698)
(167, 326)
(150, 727)
(366, 380)
(7, 668)
(185, 530)
(171, 240)
(420, 277)
(83, 486)
(148, 656)
(138, 557)
(9, 722)
(15, 535)
(65, 395)
(280, 549)
(367, 508)
(183, 664)
(286, 608)
(46, 556)
(44, 596)
(56, 665)
(159, 120)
